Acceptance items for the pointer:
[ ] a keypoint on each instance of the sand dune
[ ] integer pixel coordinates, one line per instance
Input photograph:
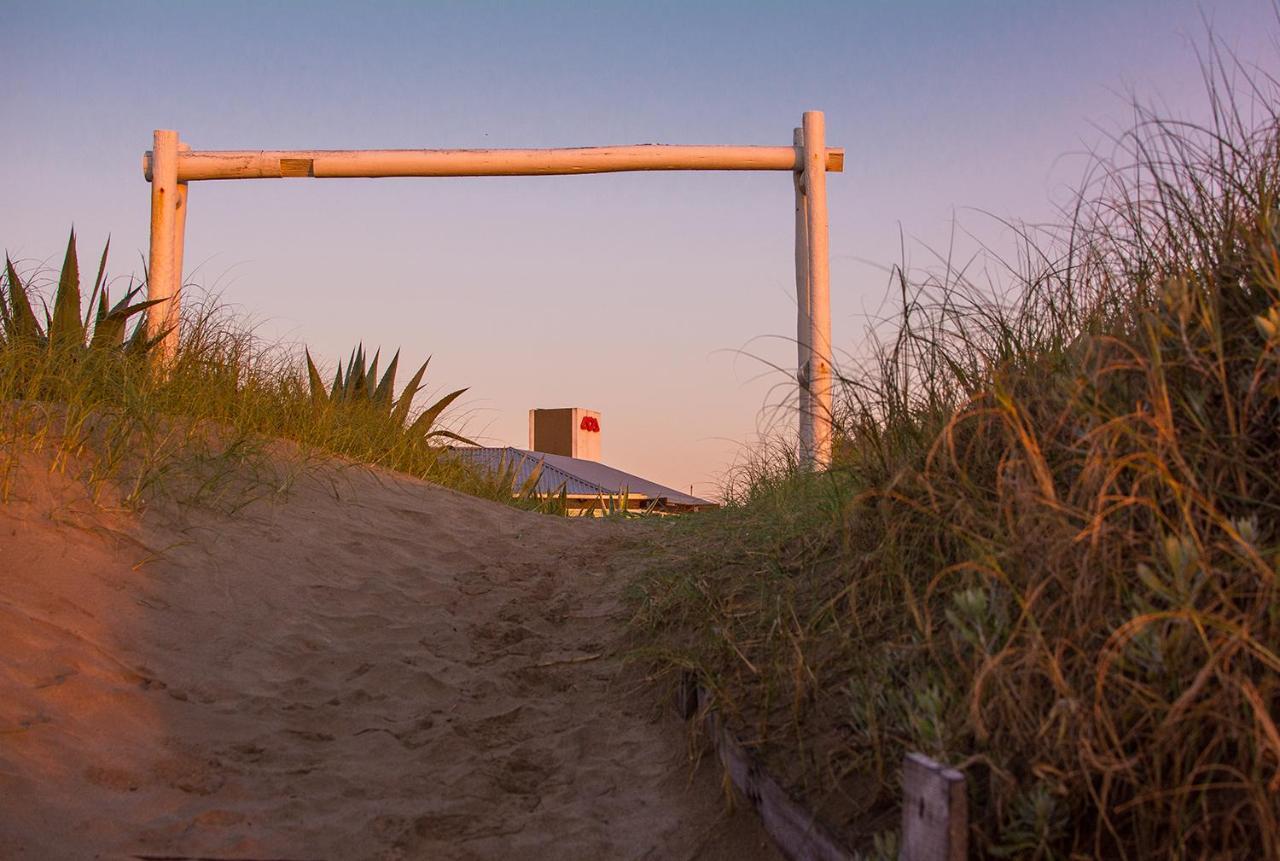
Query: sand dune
(366, 667)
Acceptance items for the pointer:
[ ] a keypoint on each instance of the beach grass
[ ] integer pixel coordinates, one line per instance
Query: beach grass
(218, 408)
(1048, 549)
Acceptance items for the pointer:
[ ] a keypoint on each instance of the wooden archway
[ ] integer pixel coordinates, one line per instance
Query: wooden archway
(170, 166)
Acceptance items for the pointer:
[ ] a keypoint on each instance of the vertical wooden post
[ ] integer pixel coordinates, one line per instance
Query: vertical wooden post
(174, 315)
(179, 232)
(804, 297)
(935, 811)
(164, 212)
(815, 189)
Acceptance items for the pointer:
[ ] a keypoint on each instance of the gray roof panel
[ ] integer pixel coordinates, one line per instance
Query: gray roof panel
(580, 477)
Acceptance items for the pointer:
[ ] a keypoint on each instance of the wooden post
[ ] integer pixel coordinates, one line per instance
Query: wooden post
(804, 322)
(173, 311)
(815, 189)
(164, 247)
(935, 811)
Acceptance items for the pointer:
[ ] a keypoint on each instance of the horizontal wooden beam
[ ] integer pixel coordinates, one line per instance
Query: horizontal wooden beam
(264, 164)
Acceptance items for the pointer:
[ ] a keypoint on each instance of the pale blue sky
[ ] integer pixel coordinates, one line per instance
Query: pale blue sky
(627, 293)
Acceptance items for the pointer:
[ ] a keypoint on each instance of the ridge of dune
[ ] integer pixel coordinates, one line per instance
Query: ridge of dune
(368, 666)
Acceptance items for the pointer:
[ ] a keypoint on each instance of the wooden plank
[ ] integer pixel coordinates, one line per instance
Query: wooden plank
(802, 837)
(819, 272)
(935, 811)
(797, 833)
(262, 164)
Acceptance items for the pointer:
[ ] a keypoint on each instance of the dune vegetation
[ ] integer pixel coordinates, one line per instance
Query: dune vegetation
(78, 381)
(1048, 549)
(1046, 552)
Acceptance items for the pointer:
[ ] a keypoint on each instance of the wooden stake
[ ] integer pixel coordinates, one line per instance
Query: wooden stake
(935, 811)
(803, 312)
(260, 164)
(815, 188)
(164, 210)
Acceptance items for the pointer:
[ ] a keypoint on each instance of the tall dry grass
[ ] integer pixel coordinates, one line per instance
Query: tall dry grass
(1048, 550)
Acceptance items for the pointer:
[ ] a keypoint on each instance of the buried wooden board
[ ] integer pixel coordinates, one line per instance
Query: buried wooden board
(934, 806)
(797, 832)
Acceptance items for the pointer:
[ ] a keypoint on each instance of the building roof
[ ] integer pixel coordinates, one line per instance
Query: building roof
(580, 477)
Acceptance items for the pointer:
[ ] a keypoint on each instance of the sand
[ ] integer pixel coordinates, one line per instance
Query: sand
(366, 666)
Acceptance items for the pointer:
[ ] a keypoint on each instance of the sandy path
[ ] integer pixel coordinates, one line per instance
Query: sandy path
(369, 668)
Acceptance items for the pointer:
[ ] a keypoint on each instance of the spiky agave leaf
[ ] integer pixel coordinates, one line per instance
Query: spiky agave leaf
(370, 377)
(530, 486)
(422, 424)
(318, 395)
(65, 326)
(140, 343)
(561, 498)
(99, 292)
(109, 330)
(509, 471)
(5, 321)
(400, 413)
(22, 323)
(385, 391)
(138, 340)
(355, 374)
(358, 383)
(448, 434)
(97, 312)
(505, 472)
(344, 376)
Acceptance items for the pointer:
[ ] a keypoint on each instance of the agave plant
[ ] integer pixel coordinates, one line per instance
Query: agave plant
(358, 386)
(526, 493)
(102, 327)
(507, 475)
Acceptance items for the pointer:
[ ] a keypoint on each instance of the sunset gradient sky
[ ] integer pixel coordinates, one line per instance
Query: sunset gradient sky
(647, 297)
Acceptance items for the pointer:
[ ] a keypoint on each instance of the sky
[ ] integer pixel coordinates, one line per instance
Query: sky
(663, 300)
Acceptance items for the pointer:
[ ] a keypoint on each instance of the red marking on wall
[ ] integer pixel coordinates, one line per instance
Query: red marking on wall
(590, 423)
